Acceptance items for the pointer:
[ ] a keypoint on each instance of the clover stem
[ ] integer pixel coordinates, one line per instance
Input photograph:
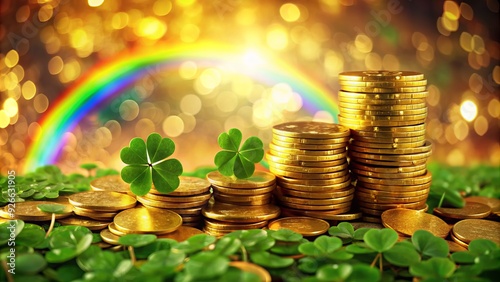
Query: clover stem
(132, 254)
(375, 260)
(51, 226)
(441, 200)
(380, 263)
(6, 270)
(244, 254)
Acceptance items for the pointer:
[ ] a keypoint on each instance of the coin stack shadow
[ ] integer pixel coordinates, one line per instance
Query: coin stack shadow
(309, 160)
(239, 204)
(187, 200)
(386, 113)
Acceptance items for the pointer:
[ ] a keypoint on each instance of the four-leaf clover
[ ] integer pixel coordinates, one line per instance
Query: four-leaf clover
(233, 160)
(147, 164)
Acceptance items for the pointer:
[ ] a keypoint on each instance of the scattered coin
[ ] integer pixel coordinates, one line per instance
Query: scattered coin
(469, 229)
(307, 226)
(252, 268)
(144, 220)
(470, 210)
(181, 234)
(86, 222)
(407, 221)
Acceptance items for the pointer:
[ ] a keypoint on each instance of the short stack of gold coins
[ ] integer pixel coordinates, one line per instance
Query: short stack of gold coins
(187, 200)
(386, 113)
(309, 160)
(112, 183)
(239, 204)
(100, 205)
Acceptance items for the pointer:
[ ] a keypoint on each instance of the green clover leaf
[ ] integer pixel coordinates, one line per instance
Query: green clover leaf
(233, 160)
(147, 164)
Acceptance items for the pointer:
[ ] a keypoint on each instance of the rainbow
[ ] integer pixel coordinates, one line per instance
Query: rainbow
(110, 77)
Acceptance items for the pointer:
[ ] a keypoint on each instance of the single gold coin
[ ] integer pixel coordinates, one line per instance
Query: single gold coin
(357, 123)
(248, 201)
(376, 206)
(315, 185)
(455, 247)
(391, 158)
(29, 211)
(384, 84)
(96, 215)
(313, 202)
(393, 188)
(238, 198)
(356, 165)
(393, 151)
(114, 230)
(297, 157)
(458, 241)
(85, 222)
(181, 234)
(326, 215)
(415, 140)
(493, 203)
(374, 212)
(179, 199)
(380, 102)
(188, 186)
(288, 150)
(317, 176)
(470, 210)
(191, 219)
(407, 221)
(311, 141)
(293, 168)
(259, 179)
(112, 183)
(381, 75)
(307, 226)
(238, 213)
(316, 194)
(382, 107)
(393, 136)
(363, 89)
(401, 145)
(403, 181)
(371, 117)
(144, 220)
(311, 129)
(279, 160)
(261, 272)
(469, 229)
(109, 237)
(243, 192)
(317, 207)
(382, 193)
(180, 211)
(222, 225)
(361, 224)
(389, 163)
(390, 175)
(355, 112)
(382, 95)
(349, 216)
(102, 200)
(170, 205)
(302, 146)
(371, 198)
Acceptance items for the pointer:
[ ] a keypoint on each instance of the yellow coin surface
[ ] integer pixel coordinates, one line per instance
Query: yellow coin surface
(307, 226)
(147, 220)
(102, 200)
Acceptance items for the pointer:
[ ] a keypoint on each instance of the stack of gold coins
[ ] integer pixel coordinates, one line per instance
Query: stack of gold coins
(386, 113)
(239, 204)
(187, 200)
(100, 205)
(309, 160)
(112, 183)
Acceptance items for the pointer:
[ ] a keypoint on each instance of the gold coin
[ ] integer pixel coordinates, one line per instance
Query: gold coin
(307, 226)
(380, 75)
(112, 183)
(311, 141)
(383, 89)
(458, 241)
(470, 210)
(247, 201)
(225, 226)
(259, 179)
(455, 247)
(244, 192)
(188, 186)
(144, 220)
(316, 194)
(354, 112)
(356, 123)
(382, 193)
(382, 95)
(391, 140)
(357, 165)
(219, 231)
(390, 163)
(311, 147)
(102, 200)
(180, 211)
(85, 222)
(355, 143)
(115, 231)
(371, 205)
(372, 219)
(317, 207)
(408, 221)
(313, 184)
(239, 198)
(279, 160)
(191, 219)
(383, 84)
(393, 151)
(236, 213)
(246, 266)
(109, 237)
(29, 211)
(493, 203)
(470, 229)
(390, 175)
(382, 107)
(381, 102)
(293, 168)
(370, 118)
(96, 215)
(346, 216)
(361, 224)
(404, 181)
(326, 215)
(297, 157)
(392, 187)
(168, 205)
(192, 224)
(179, 199)
(385, 134)
(393, 158)
(314, 202)
(371, 198)
(300, 175)
(274, 147)
(311, 129)
(181, 234)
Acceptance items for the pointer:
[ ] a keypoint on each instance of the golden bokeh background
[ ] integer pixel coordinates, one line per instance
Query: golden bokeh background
(48, 45)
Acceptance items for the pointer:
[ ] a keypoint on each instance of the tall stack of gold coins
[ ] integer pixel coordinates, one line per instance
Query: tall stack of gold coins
(187, 200)
(309, 160)
(386, 113)
(239, 204)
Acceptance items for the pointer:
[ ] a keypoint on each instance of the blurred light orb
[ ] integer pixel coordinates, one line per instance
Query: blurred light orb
(468, 109)
(95, 3)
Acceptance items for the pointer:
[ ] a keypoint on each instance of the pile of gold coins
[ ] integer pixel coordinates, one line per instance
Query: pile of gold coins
(239, 204)
(386, 113)
(187, 200)
(309, 160)
(100, 205)
(111, 183)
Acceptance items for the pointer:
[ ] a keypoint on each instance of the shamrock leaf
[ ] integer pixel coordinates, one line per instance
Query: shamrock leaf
(233, 160)
(147, 164)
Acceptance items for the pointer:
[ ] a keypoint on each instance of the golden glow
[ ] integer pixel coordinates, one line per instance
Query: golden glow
(468, 110)
(173, 126)
(11, 58)
(10, 107)
(290, 12)
(277, 37)
(95, 3)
